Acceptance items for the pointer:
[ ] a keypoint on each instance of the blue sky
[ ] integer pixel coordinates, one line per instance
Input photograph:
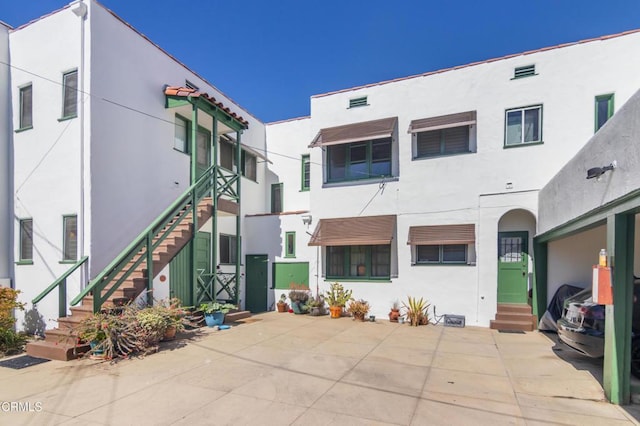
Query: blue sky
(271, 56)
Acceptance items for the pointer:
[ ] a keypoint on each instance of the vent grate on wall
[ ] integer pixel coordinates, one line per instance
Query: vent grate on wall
(358, 102)
(525, 71)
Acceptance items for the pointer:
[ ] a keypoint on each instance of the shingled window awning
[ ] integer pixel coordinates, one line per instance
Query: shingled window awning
(368, 130)
(442, 234)
(354, 231)
(443, 122)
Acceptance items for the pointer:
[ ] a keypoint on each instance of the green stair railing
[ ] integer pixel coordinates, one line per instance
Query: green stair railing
(61, 283)
(142, 248)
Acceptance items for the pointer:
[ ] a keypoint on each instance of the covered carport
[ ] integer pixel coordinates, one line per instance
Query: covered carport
(590, 204)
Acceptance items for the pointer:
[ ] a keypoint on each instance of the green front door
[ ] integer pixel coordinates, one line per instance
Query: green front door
(513, 268)
(256, 282)
(181, 284)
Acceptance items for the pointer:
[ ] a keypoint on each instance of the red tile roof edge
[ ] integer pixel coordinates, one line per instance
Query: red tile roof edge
(187, 92)
(173, 57)
(457, 67)
(277, 214)
(288, 119)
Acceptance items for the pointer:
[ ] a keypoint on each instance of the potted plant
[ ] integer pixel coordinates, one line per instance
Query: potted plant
(299, 299)
(214, 312)
(395, 312)
(93, 330)
(316, 306)
(358, 308)
(416, 311)
(282, 303)
(337, 297)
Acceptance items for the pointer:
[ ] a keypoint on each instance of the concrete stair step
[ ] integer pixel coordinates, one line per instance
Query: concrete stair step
(60, 336)
(56, 351)
(511, 325)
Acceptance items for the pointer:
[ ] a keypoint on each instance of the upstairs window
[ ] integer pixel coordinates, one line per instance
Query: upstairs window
(276, 198)
(444, 134)
(249, 165)
(182, 134)
(70, 238)
(523, 126)
(227, 158)
(70, 94)
(359, 160)
(306, 173)
(604, 109)
(26, 107)
(26, 240)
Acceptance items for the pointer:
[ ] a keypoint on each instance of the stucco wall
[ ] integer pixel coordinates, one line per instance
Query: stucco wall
(134, 166)
(479, 187)
(6, 173)
(47, 157)
(569, 194)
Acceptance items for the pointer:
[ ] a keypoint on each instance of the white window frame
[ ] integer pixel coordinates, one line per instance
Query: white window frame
(522, 111)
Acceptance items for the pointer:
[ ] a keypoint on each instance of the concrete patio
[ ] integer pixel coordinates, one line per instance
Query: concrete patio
(285, 369)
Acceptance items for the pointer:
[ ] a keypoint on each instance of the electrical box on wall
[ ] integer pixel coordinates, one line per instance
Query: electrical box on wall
(601, 286)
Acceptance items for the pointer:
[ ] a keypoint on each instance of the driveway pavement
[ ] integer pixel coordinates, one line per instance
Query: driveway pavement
(285, 369)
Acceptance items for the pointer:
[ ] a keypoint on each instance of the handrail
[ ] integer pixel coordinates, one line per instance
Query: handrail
(62, 282)
(178, 210)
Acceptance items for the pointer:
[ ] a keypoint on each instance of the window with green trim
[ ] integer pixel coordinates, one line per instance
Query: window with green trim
(441, 254)
(306, 172)
(604, 109)
(359, 262)
(249, 161)
(228, 249)
(434, 143)
(26, 107)
(70, 94)
(523, 125)
(359, 160)
(290, 244)
(26, 240)
(276, 198)
(70, 237)
(182, 132)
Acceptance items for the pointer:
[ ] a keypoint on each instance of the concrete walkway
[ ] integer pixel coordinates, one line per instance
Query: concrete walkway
(285, 369)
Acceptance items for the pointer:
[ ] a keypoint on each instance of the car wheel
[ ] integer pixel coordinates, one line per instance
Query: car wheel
(635, 358)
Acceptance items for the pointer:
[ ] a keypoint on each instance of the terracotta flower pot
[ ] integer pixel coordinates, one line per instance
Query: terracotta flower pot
(394, 314)
(282, 307)
(170, 333)
(336, 311)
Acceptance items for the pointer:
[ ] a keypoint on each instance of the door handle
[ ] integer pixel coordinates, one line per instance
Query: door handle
(524, 273)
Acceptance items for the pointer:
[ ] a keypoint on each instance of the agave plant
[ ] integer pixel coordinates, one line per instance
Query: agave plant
(417, 310)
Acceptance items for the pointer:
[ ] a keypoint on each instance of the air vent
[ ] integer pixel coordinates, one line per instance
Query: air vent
(525, 71)
(358, 102)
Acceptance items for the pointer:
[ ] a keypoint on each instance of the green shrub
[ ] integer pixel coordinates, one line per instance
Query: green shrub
(8, 302)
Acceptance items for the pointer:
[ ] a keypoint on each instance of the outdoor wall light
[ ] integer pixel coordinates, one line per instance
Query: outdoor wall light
(596, 172)
(306, 219)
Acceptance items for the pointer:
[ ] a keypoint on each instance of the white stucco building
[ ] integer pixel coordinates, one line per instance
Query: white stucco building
(424, 186)
(100, 150)
(454, 159)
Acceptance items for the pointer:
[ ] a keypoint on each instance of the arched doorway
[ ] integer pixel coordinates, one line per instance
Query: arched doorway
(516, 229)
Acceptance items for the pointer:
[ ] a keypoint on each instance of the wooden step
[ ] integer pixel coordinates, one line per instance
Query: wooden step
(233, 316)
(513, 316)
(511, 325)
(514, 308)
(57, 351)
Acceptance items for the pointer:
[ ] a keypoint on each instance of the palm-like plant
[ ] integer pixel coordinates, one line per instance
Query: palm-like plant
(417, 310)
